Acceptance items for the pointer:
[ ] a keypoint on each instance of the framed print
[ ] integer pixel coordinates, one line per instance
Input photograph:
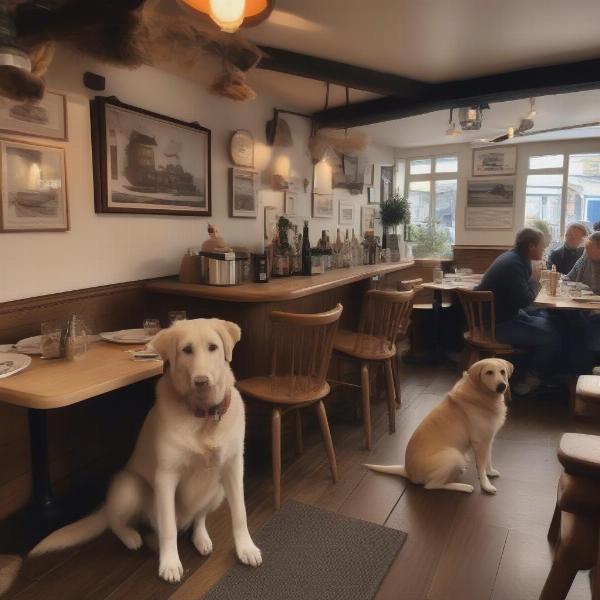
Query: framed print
(369, 175)
(34, 188)
(145, 163)
(490, 204)
(386, 183)
(368, 218)
(241, 148)
(322, 206)
(271, 217)
(290, 203)
(346, 216)
(45, 119)
(242, 193)
(371, 197)
(494, 161)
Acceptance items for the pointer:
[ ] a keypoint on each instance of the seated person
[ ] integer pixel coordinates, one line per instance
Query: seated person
(564, 257)
(587, 268)
(515, 285)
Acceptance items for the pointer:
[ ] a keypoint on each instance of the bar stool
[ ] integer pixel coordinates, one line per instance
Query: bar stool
(300, 356)
(374, 343)
(575, 525)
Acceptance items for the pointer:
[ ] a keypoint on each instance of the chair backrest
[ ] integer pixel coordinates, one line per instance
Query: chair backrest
(385, 314)
(411, 284)
(480, 314)
(301, 350)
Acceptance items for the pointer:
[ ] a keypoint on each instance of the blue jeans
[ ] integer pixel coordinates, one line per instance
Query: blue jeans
(532, 333)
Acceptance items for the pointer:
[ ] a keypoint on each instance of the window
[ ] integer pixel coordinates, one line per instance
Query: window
(431, 189)
(583, 191)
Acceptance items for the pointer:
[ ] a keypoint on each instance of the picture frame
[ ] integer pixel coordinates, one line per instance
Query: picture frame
(322, 206)
(386, 183)
(243, 199)
(241, 148)
(271, 216)
(44, 119)
(368, 215)
(346, 212)
(490, 204)
(369, 175)
(494, 161)
(146, 163)
(371, 196)
(290, 203)
(33, 190)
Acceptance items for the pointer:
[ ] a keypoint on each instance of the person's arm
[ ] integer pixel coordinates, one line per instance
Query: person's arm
(552, 259)
(575, 273)
(521, 290)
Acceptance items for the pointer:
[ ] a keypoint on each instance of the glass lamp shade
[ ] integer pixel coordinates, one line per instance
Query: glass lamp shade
(229, 15)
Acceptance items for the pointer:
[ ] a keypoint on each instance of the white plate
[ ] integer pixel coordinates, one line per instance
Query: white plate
(126, 336)
(11, 363)
(31, 345)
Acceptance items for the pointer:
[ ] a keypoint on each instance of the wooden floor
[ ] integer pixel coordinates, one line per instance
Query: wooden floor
(467, 547)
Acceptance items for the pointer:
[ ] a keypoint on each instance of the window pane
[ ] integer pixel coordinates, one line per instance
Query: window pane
(420, 166)
(446, 164)
(445, 205)
(583, 190)
(543, 202)
(419, 198)
(548, 161)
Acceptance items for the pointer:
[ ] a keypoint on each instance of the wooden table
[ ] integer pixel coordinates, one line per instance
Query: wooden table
(543, 300)
(49, 384)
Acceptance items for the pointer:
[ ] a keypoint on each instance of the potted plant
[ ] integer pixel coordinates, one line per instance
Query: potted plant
(394, 211)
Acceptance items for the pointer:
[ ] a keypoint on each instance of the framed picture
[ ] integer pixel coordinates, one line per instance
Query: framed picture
(271, 217)
(290, 203)
(371, 197)
(346, 216)
(369, 175)
(386, 183)
(490, 204)
(34, 188)
(242, 193)
(322, 206)
(495, 161)
(368, 218)
(145, 163)
(241, 148)
(45, 119)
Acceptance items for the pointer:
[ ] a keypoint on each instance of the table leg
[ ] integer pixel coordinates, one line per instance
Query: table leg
(437, 355)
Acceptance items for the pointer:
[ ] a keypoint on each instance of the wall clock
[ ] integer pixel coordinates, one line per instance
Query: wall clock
(241, 148)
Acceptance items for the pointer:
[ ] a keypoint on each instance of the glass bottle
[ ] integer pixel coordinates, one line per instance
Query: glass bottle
(306, 258)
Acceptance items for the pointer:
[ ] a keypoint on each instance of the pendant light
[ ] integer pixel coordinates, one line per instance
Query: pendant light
(230, 15)
(11, 55)
(452, 130)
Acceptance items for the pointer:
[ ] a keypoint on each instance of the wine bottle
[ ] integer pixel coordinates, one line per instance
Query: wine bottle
(306, 259)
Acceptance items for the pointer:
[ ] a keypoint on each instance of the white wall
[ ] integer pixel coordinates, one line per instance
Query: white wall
(102, 249)
(465, 158)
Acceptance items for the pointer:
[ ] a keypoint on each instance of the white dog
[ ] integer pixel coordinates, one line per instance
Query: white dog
(468, 417)
(188, 456)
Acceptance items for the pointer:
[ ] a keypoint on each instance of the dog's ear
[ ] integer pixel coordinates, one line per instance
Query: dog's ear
(230, 333)
(165, 343)
(509, 367)
(475, 371)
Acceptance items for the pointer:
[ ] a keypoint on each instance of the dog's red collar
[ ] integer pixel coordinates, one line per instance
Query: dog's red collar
(216, 412)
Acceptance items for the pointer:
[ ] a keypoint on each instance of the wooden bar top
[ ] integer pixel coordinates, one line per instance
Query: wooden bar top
(47, 384)
(277, 289)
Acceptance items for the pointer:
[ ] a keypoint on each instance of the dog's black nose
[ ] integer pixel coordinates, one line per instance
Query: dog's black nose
(501, 388)
(201, 381)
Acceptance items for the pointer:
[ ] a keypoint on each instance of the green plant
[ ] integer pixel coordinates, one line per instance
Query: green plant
(394, 210)
(431, 241)
(544, 227)
(283, 226)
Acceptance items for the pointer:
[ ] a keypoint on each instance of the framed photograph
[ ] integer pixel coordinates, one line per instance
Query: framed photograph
(346, 216)
(368, 218)
(371, 196)
(241, 148)
(386, 183)
(322, 206)
(290, 203)
(494, 161)
(242, 193)
(271, 217)
(145, 163)
(490, 204)
(369, 175)
(45, 119)
(34, 188)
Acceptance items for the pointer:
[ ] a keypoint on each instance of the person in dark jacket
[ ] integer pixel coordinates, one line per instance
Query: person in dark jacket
(515, 285)
(564, 257)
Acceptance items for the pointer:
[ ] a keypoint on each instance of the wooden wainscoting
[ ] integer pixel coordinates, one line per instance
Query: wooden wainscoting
(478, 258)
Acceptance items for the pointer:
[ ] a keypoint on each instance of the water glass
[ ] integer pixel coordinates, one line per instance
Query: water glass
(151, 327)
(177, 315)
(438, 276)
(52, 341)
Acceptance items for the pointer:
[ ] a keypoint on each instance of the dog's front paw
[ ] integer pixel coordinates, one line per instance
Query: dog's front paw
(249, 554)
(493, 472)
(488, 488)
(170, 569)
(203, 543)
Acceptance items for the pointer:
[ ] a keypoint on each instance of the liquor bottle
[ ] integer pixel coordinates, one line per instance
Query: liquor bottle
(306, 259)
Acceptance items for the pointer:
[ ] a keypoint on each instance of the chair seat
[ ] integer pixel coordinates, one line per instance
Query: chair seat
(429, 306)
(579, 454)
(362, 346)
(488, 345)
(588, 386)
(284, 389)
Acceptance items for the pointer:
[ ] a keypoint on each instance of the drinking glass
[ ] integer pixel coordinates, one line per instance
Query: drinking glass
(177, 315)
(52, 340)
(438, 276)
(151, 326)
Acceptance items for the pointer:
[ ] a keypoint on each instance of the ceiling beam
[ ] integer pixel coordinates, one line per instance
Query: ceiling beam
(514, 85)
(358, 78)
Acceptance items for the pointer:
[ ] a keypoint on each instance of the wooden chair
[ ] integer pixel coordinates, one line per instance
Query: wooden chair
(480, 336)
(586, 400)
(300, 356)
(381, 317)
(574, 529)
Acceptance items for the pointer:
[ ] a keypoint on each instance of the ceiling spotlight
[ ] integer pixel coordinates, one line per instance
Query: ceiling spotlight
(230, 15)
(510, 132)
(532, 111)
(10, 53)
(470, 118)
(452, 130)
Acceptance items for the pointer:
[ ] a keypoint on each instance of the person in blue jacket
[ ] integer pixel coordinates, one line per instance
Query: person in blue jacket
(516, 284)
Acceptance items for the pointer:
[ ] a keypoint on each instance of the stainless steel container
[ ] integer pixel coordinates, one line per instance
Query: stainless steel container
(228, 268)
